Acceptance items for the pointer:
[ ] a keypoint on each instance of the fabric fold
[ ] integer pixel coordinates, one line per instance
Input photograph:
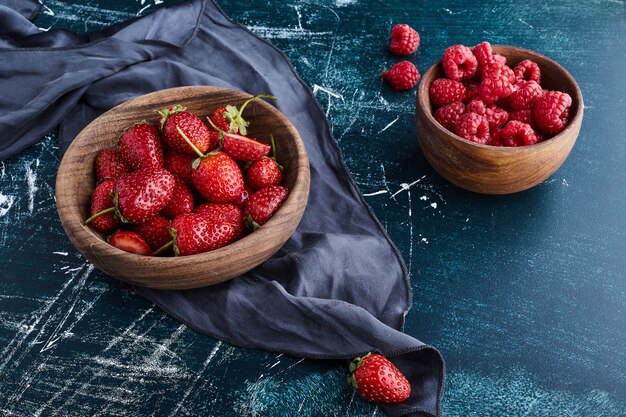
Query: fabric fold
(337, 289)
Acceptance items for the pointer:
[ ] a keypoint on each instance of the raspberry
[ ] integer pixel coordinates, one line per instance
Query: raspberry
(473, 127)
(476, 106)
(402, 76)
(527, 70)
(483, 54)
(515, 134)
(496, 117)
(473, 91)
(499, 59)
(404, 40)
(551, 111)
(491, 89)
(498, 70)
(524, 116)
(444, 91)
(526, 95)
(448, 115)
(459, 63)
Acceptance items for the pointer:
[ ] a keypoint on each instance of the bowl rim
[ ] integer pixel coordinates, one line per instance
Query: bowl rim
(92, 239)
(423, 103)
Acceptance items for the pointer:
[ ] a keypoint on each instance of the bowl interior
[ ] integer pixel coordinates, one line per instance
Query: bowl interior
(76, 181)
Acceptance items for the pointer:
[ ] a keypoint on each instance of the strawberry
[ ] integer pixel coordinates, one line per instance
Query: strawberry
(179, 164)
(242, 148)
(142, 194)
(224, 213)
(264, 173)
(155, 231)
(185, 132)
(140, 146)
(263, 204)
(229, 118)
(130, 242)
(110, 164)
(377, 379)
(217, 178)
(181, 201)
(197, 233)
(101, 201)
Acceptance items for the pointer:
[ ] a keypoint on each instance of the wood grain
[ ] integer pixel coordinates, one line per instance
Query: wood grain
(75, 183)
(492, 169)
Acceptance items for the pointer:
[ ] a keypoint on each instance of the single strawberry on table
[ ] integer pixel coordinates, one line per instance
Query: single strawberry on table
(185, 132)
(376, 379)
(140, 146)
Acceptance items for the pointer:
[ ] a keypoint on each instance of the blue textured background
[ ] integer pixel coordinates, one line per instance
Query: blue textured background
(524, 295)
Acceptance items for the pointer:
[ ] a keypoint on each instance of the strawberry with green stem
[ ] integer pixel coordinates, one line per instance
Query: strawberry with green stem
(376, 379)
(241, 148)
(139, 195)
(263, 204)
(265, 172)
(176, 123)
(230, 119)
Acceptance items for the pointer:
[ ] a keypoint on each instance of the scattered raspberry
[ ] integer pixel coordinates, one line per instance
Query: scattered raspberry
(473, 127)
(404, 40)
(402, 76)
(527, 70)
(459, 63)
(476, 106)
(497, 70)
(491, 89)
(483, 54)
(524, 116)
(448, 115)
(526, 95)
(496, 116)
(515, 134)
(444, 91)
(551, 111)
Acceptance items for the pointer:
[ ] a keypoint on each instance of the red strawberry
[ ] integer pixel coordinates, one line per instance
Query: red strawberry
(155, 231)
(101, 201)
(140, 146)
(263, 204)
(130, 242)
(181, 201)
(377, 379)
(110, 164)
(264, 173)
(197, 233)
(242, 148)
(182, 129)
(218, 178)
(179, 164)
(224, 213)
(229, 118)
(142, 194)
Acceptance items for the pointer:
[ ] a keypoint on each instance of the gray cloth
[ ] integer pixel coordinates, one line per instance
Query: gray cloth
(337, 289)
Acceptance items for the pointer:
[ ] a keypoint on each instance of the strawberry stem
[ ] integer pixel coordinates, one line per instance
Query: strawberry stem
(215, 127)
(245, 103)
(95, 216)
(273, 147)
(163, 248)
(196, 150)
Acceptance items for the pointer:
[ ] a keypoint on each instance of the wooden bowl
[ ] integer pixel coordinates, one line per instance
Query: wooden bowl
(76, 180)
(493, 169)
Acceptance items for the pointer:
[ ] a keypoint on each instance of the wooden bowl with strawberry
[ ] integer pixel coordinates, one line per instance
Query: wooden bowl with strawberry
(184, 187)
(497, 120)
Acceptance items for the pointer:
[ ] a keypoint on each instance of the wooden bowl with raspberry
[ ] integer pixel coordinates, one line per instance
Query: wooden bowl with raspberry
(497, 120)
(170, 219)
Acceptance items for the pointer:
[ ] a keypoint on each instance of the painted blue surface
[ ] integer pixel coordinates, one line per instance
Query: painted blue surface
(524, 295)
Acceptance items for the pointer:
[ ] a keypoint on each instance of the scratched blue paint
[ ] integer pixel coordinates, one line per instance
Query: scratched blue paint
(524, 294)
